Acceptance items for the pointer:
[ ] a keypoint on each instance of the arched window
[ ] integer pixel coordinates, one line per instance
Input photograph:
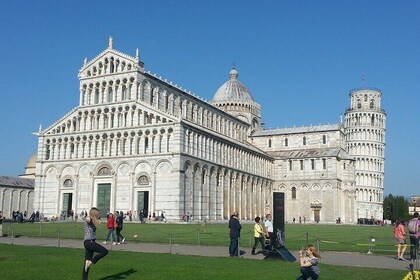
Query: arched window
(366, 97)
(293, 193)
(68, 183)
(304, 140)
(96, 101)
(110, 94)
(269, 143)
(286, 142)
(359, 104)
(371, 103)
(324, 139)
(104, 171)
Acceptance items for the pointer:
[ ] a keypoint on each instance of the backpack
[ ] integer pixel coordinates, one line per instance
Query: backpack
(413, 226)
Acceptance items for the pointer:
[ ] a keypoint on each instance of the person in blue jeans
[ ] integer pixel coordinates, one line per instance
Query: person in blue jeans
(111, 224)
(91, 222)
(309, 259)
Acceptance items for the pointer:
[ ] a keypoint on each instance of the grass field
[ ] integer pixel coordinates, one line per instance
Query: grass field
(21, 263)
(327, 237)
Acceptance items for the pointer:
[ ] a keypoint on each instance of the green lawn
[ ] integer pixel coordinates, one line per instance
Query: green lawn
(329, 237)
(22, 262)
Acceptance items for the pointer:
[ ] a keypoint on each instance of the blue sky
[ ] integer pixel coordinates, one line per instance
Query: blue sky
(299, 59)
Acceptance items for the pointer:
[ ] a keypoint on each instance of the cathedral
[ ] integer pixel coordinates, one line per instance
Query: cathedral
(137, 142)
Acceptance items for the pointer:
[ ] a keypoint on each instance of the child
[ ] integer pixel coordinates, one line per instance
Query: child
(258, 235)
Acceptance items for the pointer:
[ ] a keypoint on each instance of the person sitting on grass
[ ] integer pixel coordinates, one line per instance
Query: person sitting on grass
(309, 259)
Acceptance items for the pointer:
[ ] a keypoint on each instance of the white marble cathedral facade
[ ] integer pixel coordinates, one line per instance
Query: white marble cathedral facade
(138, 142)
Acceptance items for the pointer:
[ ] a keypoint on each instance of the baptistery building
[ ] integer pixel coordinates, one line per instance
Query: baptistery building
(137, 142)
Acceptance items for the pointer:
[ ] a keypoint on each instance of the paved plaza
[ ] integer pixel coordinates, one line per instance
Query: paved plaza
(333, 258)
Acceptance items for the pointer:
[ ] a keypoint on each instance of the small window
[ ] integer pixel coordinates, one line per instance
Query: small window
(324, 139)
(344, 166)
(290, 165)
(68, 183)
(324, 163)
(359, 104)
(304, 140)
(286, 142)
(301, 164)
(366, 97)
(293, 193)
(371, 104)
(269, 143)
(47, 153)
(313, 164)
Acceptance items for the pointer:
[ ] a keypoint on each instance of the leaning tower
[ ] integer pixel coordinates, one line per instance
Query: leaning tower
(365, 142)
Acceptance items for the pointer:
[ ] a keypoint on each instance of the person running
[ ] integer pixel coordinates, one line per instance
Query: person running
(111, 225)
(91, 223)
(400, 238)
(309, 259)
(258, 235)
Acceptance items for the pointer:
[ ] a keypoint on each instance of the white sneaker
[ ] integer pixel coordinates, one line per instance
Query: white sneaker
(104, 242)
(118, 243)
(123, 241)
(114, 243)
(88, 263)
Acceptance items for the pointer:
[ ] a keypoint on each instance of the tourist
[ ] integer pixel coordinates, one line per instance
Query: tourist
(400, 238)
(309, 259)
(413, 228)
(120, 220)
(91, 223)
(269, 230)
(111, 225)
(258, 235)
(234, 234)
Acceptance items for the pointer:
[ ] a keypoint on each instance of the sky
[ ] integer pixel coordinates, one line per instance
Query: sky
(299, 59)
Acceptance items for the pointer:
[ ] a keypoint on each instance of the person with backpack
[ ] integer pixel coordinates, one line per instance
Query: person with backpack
(413, 229)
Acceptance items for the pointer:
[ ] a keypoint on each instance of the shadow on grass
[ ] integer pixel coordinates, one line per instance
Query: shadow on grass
(120, 275)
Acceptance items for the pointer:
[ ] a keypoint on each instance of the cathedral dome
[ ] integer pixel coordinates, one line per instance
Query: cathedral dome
(233, 90)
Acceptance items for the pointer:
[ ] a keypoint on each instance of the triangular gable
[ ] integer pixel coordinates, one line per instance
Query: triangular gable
(63, 124)
(110, 61)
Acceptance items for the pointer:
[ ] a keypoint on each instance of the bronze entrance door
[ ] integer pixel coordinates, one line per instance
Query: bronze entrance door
(104, 198)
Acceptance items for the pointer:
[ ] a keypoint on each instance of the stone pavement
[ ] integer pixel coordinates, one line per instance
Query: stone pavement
(333, 258)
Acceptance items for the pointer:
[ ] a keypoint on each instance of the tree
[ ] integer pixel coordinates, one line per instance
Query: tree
(395, 207)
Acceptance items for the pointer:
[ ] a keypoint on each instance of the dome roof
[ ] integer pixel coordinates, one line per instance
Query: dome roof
(31, 163)
(232, 90)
